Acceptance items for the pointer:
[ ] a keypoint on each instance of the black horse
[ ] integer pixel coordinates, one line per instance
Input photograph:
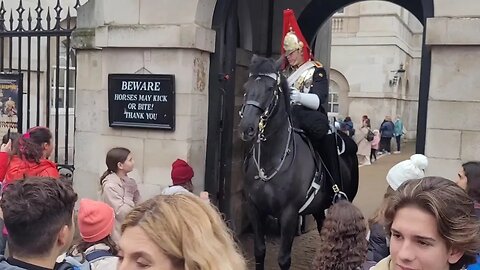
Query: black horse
(280, 167)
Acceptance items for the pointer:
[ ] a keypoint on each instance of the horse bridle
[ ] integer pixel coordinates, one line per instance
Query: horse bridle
(268, 111)
(266, 114)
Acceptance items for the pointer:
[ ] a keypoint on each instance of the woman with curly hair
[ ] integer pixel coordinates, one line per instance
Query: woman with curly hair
(343, 239)
(431, 224)
(177, 232)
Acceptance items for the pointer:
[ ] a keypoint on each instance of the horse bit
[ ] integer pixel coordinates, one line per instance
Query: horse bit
(262, 124)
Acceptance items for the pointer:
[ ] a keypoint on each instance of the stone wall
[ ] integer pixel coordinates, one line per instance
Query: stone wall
(453, 131)
(142, 37)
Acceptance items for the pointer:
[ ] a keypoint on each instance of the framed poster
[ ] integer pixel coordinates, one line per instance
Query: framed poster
(141, 101)
(11, 97)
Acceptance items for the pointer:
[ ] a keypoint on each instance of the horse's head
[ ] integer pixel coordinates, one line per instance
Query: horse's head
(261, 95)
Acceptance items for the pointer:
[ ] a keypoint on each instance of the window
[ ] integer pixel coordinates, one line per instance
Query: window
(62, 85)
(62, 82)
(333, 105)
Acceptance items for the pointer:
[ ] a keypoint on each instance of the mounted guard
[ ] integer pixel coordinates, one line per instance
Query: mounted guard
(308, 82)
(282, 178)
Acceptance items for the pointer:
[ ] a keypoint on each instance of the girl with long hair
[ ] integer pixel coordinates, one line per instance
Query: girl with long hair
(30, 156)
(117, 189)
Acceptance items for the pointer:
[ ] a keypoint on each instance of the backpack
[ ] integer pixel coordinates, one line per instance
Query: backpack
(370, 135)
(83, 261)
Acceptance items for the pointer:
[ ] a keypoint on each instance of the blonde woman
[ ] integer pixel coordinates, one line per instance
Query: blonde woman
(364, 145)
(173, 232)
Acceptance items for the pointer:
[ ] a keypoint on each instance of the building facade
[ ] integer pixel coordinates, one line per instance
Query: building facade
(375, 63)
(382, 63)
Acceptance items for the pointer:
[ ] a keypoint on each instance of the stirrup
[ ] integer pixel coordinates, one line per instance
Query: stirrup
(339, 196)
(341, 149)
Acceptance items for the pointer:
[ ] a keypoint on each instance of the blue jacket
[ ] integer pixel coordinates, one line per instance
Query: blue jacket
(386, 129)
(475, 266)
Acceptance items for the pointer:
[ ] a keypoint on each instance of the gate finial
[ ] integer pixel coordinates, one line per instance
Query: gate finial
(58, 9)
(39, 11)
(2, 17)
(20, 11)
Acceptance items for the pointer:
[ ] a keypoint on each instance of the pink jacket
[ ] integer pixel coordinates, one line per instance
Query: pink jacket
(122, 195)
(376, 142)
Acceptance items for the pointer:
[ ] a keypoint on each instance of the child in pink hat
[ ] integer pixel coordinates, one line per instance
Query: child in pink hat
(96, 221)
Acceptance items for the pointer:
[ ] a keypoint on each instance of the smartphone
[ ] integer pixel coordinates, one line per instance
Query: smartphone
(6, 138)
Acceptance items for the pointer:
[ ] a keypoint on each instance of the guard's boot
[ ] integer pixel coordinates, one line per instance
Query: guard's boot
(329, 154)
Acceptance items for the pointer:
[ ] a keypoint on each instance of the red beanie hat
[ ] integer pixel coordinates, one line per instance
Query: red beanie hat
(95, 220)
(181, 172)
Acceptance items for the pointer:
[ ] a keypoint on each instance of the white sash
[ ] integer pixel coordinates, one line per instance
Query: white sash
(294, 77)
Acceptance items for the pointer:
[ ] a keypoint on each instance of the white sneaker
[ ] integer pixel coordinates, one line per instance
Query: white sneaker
(396, 152)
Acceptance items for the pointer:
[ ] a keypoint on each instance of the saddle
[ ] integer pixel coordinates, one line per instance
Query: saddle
(318, 182)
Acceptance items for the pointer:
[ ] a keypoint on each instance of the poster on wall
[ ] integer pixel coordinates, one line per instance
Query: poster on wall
(141, 101)
(11, 90)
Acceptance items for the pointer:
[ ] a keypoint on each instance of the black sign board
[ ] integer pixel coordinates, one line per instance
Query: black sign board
(141, 100)
(11, 112)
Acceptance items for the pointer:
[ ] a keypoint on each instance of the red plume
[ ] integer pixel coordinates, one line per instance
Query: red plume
(290, 22)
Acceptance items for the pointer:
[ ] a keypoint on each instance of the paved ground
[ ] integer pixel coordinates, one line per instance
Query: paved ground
(370, 194)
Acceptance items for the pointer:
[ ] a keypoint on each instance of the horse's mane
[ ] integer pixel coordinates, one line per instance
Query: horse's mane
(262, 65)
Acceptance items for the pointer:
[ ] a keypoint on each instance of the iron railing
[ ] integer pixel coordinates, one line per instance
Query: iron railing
(48, 90)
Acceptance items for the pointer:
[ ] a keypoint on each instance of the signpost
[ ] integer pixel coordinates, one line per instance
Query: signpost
(141, 101)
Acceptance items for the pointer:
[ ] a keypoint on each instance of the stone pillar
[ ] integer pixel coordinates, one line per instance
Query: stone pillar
(157, 36)
(453, 128)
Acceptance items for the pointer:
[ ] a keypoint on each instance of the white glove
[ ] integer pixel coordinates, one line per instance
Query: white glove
(295, 96)
(310, 101)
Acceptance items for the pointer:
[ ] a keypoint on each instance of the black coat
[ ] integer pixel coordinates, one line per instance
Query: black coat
(377, 243)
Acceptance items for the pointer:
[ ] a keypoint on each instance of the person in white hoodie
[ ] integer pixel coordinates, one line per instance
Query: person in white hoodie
(413, 168)
(96, 222)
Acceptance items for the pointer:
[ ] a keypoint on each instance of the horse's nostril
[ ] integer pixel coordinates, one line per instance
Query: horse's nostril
(250, 131)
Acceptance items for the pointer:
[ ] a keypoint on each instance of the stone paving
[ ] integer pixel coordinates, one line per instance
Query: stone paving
(370, 194)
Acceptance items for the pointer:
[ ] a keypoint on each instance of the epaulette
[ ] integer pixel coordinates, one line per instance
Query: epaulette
(317, 64)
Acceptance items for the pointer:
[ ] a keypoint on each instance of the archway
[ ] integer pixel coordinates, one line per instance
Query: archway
(223, 169)
(317, 12)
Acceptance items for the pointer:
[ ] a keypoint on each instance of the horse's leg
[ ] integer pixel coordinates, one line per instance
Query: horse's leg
(258, 225)
(319, 218)
(288, 223)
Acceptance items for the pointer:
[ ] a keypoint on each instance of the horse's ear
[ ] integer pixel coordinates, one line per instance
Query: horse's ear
(279, 63)
(254, 58)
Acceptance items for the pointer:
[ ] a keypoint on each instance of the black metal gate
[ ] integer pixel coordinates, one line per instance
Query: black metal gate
(35, 41)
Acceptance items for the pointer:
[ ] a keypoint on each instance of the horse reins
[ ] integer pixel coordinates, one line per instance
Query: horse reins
(262, 124)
